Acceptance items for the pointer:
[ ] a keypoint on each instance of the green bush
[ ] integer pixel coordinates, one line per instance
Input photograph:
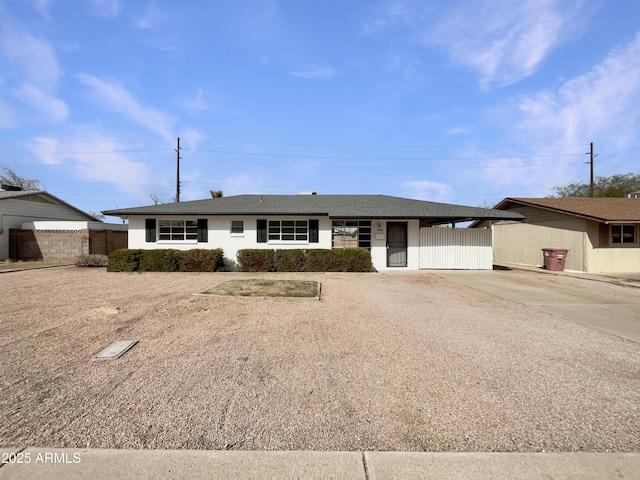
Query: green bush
(256, 260)
(347, 260)
(290, 260)
(124, 260)
(163, 260)
(166, 260)
(93, 260)
(201, 260)
(315, 260)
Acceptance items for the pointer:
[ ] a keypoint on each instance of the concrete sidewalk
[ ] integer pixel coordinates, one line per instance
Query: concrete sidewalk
(71, 464)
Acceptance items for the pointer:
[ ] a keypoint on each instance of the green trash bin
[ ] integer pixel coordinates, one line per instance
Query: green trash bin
(554, 258)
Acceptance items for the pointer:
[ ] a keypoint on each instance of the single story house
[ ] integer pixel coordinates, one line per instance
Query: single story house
(399, 232)
(601, 234)
(36, 225)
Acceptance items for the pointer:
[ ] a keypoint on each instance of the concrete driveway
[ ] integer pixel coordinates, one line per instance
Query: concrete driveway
(610, 308)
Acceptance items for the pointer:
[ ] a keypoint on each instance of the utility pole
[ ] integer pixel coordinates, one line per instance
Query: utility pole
(178, 171)
(591, 157)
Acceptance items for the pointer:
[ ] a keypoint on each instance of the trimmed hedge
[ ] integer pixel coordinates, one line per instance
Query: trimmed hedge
(124, 260)
(313, 260)
(290, 260)
(163, 260)
(346, 260)
(256, 260)
(166, 260)
(202, 260)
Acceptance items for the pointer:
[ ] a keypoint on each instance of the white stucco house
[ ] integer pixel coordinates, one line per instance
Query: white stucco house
(401, 233)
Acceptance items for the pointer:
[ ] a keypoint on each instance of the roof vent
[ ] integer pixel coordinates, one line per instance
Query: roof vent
(10, 188)
(307, 193)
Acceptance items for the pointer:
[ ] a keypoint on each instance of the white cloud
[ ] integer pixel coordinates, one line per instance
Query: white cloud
(95, 157)
(315, 72)
(152, 18)
(503, 41)
(106, 8)
(605, 101)
(46, 149)
(192, 137)
(112, 95)
(428, 190)
(52, 108)
(35, 58)
(42, 7)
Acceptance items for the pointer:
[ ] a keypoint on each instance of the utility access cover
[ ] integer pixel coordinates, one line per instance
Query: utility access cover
(116, 349)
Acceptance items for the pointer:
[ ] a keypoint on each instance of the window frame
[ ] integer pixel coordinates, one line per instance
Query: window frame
(288, 230)
(617, 239)
(187, 229)
(238, 224)
(362, 231)
(177, 231)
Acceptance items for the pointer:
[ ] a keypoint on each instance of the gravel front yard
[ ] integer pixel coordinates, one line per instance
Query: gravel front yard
(383, 362)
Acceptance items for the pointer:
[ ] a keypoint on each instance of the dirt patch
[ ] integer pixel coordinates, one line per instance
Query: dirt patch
(385, 361)
(265, 288)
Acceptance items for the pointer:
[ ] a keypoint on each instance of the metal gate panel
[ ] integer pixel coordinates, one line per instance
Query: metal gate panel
(456, 248)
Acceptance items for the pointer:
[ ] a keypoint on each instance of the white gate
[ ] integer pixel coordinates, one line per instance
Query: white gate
(456, 248)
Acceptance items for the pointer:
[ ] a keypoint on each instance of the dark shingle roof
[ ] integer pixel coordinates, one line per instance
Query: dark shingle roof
(335, 206)
(609, 210)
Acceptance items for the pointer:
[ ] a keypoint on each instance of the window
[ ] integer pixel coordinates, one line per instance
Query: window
(623, 234)
(288, 230)
(351, 234)
(237, 227)
(176, 230)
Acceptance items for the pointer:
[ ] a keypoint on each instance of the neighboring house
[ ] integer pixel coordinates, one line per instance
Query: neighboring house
(38, 225)
(601, 234)
(399, 232)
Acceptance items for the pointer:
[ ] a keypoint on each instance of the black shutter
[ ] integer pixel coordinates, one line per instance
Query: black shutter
(262, 231)
(203, 230)
(313, 231)
(150, 227)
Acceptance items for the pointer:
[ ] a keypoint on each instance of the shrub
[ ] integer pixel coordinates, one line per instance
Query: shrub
(201, 260)
(290, 260)
(93, 260)
(347, 260)
(163, 260)
(256, 260)
(124, 260)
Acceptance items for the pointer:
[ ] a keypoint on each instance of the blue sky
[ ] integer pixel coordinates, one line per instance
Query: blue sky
(461, 102)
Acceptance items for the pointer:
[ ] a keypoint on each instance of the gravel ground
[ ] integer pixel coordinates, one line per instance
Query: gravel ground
(386, 361)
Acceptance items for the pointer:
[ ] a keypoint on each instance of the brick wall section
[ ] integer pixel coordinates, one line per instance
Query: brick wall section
(54, 244)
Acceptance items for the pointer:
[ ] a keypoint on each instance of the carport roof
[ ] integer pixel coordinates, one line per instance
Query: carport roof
(334, 206)
(599, 209)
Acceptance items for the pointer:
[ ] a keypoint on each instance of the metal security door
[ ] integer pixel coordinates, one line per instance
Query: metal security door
(397, 244)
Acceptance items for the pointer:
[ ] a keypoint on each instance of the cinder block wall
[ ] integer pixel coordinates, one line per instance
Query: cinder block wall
(63, 244)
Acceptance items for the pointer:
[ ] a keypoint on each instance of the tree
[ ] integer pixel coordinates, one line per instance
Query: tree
(614, 186)
(10, 177)
(215, 193)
